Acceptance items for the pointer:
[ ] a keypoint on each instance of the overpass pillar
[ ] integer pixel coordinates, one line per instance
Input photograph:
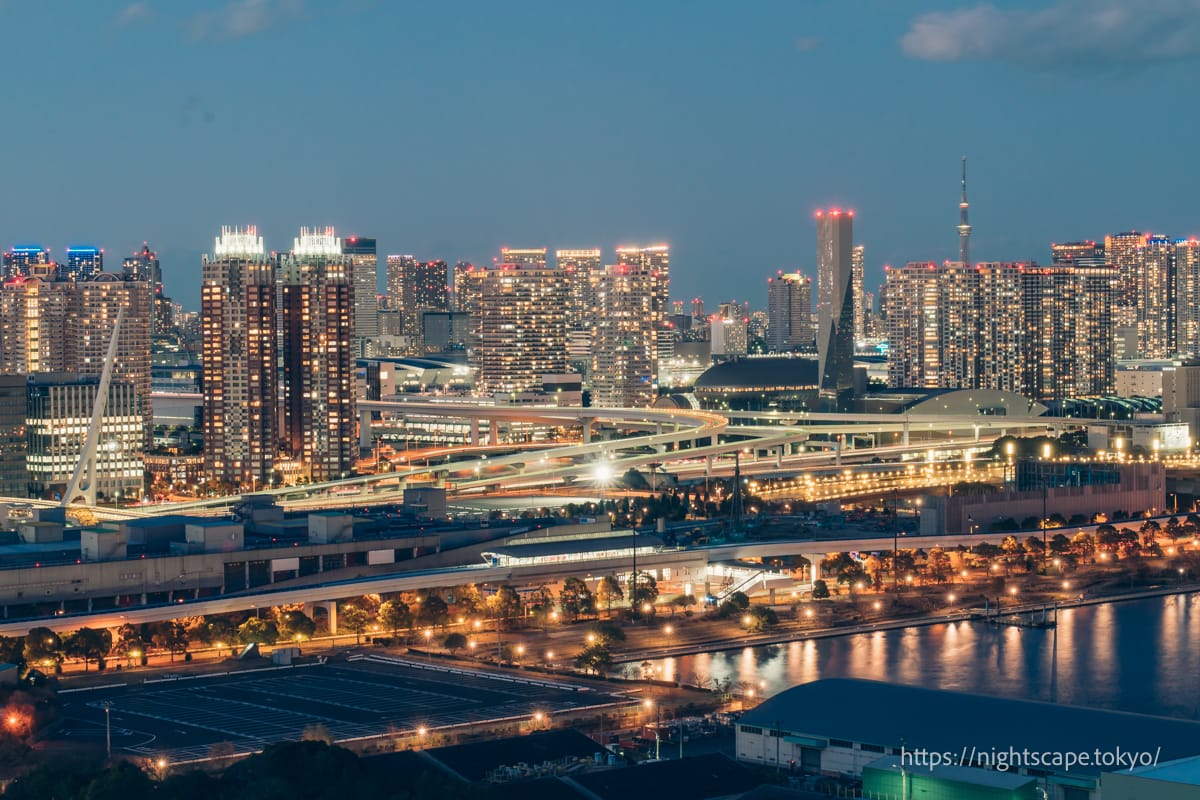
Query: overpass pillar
(586, 423)
(814, 565)
(474, 432)
(779, 456)
(976, 429)
(905, 439)
(708, 464)
(330, 607)
(494, 432)
(837, 453)
(364, 430)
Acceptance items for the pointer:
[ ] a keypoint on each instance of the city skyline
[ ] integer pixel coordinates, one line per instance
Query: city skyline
(459, 186)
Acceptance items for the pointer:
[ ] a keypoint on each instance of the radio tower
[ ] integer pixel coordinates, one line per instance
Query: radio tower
(964, 229)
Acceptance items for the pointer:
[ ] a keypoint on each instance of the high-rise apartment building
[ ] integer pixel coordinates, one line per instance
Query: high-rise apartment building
(789, 312)
(655, 259)
(82, 262)
(625, 338)
(1078, 254)
(1187, 297)
(525, 257)
(28, 261)
(468, 295)
(857, 266)
(364, 261)
(835, 307)
(95, 302)
(397, 265)
(425, 289)
(583, 270)
(1121, 253)
(144, 266)
(33, 321)
(237, 310)
(1154, 288)
(1045, 332)
(317, 310)
(522, 329)
(14, 445)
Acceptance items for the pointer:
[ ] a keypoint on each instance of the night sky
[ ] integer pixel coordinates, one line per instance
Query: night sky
(447, 130)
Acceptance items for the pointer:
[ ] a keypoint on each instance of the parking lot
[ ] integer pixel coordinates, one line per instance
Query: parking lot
(182, 719)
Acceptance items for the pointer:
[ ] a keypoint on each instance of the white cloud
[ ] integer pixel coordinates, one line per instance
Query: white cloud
(1065, 34)
(244, 18)
(134, 13)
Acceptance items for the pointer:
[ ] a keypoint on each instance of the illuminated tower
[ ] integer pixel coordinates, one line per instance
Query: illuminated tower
(964, 228)
(522, 332)
(82, 262)
(28, 260)
(237, 317)
(364, 262)
(835, 307)
(526, 257)
(857, 263)
(625, 344)
(317, 312)
(789, 312)
(397, 265)
(1187, 297)
(583, 269)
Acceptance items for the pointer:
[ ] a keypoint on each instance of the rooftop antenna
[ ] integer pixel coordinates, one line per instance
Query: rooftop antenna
(964, 228)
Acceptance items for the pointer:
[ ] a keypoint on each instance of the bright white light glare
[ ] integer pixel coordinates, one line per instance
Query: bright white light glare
(604, 472)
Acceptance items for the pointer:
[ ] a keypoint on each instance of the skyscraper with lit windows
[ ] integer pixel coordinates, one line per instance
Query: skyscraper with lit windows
(1155, 291)
(364, 263)
(789, 312)
(82, 262)
(523, 256)
(625, 340)
(857, 266)
(835, 307)
(583, 270)
(28, 261)
(318, 343)
(522, 331)
(1187, 297)
(238, 347)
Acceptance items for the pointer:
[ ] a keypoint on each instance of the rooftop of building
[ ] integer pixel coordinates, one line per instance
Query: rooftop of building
(761, 373)
(943, 721)
(474, 761)
(535, 549)
(1181, 770)
(975, 776)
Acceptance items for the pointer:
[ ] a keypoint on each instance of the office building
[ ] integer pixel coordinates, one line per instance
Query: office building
(625, 338)
(28, 261)
(1068, 321)
(317, 311)
(789, 312)
(425, 289)
(524, 257)
(522, 329)
(364, 262)
(583, 270)
(1187, 297)
(13, 441)
(144, 266)
(238, 317)
(835, 307)
(82, 262)
(58, 416)
(857, 265)
(468, 297)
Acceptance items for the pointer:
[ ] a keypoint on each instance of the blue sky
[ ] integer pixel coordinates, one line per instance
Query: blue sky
(447, 130)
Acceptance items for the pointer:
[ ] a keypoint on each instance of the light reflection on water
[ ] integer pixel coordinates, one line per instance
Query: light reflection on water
(1135, 656)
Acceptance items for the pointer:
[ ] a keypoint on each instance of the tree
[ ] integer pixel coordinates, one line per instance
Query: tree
(739, 600)
(12, 651)
(505, 604)
(216, 631)
(170, 636)
(605, 633)
(820, 590)
(643, 591)
(130, 643)
(432, 610)
(468, 602)
(354, 619)
(575, 599)
(394, 615)
(454, 642)
(759, 618)
(609, 591)
(540, 602)
(594, 658)
(88, 644)
(938, 564)
(682, 602)
(43, 647)
(257, 631)
(295, 625)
